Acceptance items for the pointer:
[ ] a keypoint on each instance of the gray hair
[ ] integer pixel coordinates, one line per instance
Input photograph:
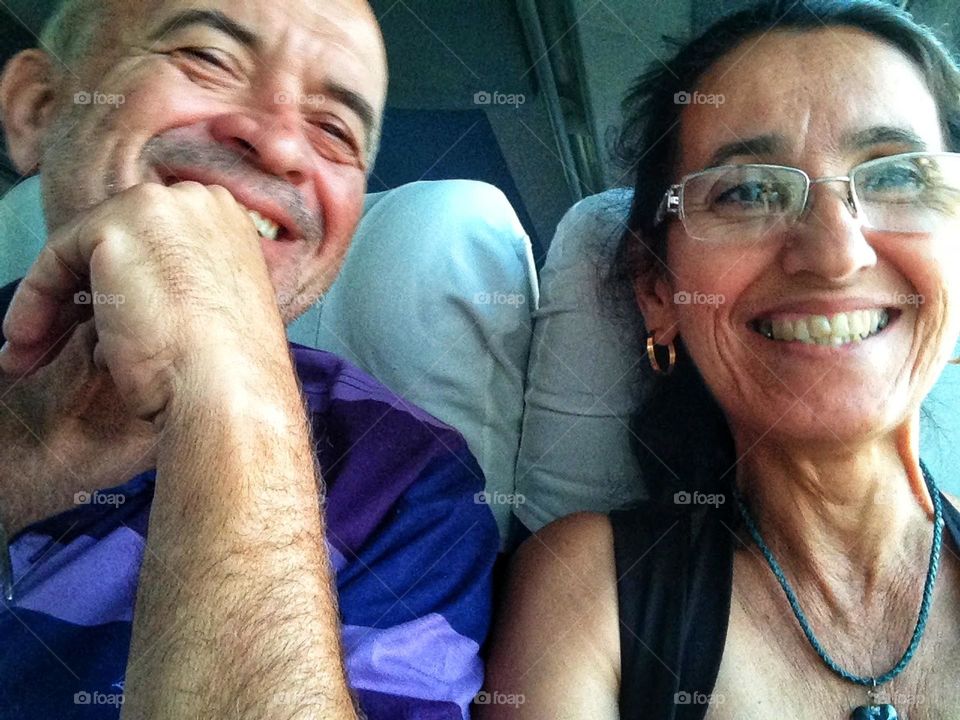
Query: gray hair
(70, 34)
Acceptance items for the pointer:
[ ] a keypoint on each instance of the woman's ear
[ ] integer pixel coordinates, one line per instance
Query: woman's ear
(27, 94)
(655, 298)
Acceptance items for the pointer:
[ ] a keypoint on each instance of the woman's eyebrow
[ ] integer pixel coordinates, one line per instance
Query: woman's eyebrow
(855, 140)
(880, 134)
(212, 19)
(760, 145)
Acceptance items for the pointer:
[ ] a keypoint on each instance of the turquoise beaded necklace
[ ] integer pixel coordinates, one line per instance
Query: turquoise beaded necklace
(874, 711)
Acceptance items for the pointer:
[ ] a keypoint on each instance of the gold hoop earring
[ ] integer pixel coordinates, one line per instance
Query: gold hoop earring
(652, 356)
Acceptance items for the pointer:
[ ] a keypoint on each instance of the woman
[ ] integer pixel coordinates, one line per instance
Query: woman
(794, 235)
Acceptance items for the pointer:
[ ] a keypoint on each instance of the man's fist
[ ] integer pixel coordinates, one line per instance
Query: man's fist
(174, 277)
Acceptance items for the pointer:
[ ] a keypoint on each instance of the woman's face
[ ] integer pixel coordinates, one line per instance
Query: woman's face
(822, 101)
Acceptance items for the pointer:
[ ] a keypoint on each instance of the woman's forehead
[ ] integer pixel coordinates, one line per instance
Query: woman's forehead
(809, 90)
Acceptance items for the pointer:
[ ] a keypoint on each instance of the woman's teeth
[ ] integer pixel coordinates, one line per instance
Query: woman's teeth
(266, 228)
(839, 329)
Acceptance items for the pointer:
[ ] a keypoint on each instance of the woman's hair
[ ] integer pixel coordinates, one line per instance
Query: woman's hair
(680, 418)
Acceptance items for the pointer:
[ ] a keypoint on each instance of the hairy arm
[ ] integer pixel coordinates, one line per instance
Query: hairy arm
(236, 615)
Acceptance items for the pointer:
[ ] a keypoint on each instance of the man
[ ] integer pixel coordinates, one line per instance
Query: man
(203, 171)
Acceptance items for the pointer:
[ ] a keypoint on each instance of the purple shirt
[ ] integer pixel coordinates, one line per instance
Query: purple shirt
(412, 546)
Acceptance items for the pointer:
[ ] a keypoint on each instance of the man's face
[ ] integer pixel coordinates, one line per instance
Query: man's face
(278, 102)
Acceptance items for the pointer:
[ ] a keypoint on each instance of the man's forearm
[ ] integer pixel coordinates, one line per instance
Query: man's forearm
(236, 612)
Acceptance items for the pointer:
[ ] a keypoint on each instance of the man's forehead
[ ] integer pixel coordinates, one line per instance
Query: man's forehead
(344, 21)
(333, 44)
(308, 24)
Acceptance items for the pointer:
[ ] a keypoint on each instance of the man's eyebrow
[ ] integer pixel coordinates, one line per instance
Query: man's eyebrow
(760, 145)
(213, 19)
(881, 134)
(358, 104)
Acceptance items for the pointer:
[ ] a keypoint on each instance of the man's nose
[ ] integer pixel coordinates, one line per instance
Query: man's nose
(828, 240)
(272, 141)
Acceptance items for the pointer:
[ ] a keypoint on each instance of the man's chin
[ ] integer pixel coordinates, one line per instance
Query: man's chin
(295, 306)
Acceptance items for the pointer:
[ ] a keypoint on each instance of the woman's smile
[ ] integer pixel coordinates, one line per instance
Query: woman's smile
(837, 330)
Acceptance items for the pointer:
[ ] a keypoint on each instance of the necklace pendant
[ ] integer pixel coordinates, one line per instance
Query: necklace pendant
(875, 712)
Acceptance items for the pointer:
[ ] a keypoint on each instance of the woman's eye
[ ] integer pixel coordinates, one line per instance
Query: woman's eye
(896, 182)
(752, 194)
(896, 177)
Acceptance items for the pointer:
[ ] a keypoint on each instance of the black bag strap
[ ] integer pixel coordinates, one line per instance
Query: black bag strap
(675, 575)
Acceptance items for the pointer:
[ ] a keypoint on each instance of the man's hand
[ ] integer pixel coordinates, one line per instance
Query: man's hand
(236, 608)
(64, 430)
(176, 277)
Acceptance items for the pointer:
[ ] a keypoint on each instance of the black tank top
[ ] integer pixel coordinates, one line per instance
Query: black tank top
(675, 570)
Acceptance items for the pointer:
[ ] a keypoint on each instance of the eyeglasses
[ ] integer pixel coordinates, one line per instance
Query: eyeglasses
(916, 192)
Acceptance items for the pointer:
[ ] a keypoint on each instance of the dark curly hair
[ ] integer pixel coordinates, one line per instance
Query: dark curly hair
(680, 418)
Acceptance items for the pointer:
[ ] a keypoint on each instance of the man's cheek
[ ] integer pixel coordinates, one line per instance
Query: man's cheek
(341, 195)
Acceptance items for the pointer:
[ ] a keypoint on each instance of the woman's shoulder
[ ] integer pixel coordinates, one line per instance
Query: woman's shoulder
(557, 642)
(578, 543)
(566, 565)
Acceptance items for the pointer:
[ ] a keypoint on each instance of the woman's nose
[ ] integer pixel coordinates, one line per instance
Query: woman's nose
(828, 239)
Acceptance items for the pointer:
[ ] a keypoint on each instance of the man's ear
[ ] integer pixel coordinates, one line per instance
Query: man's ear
(27, 93)
(655, 298)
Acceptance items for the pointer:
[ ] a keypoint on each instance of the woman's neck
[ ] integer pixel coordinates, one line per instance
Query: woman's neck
(842, 520)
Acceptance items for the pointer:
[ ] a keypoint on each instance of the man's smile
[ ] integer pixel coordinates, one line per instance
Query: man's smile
(269, 217)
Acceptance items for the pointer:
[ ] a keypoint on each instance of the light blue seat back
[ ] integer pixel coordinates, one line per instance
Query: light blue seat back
(435, 300)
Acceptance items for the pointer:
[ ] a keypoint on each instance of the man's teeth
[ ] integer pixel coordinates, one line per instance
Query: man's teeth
(838, 329)
(266, 228)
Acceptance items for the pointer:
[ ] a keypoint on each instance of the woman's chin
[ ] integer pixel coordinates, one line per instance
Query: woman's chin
(821, 421)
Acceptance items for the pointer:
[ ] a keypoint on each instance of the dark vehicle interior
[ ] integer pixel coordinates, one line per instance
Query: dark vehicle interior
(503, 332)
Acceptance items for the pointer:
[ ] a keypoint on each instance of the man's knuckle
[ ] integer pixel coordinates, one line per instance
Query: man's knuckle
(146, 193)
(221, 194)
